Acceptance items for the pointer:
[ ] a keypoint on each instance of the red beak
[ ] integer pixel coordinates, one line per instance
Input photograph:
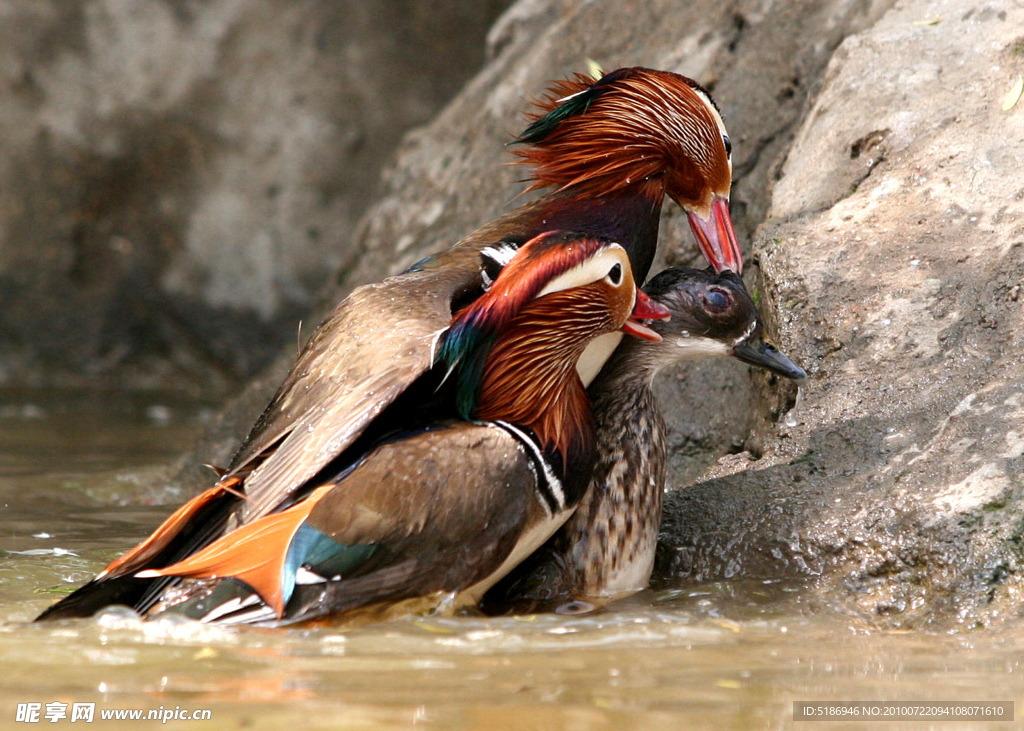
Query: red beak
(717, 238)
(645, 309)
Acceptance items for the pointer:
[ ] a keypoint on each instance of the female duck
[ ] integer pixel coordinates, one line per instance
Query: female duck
(607, 547)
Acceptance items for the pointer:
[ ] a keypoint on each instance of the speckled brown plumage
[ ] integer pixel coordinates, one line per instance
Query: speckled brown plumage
(607, 547)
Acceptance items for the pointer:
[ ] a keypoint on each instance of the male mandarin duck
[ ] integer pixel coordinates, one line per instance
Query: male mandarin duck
(614, 148)
(607, 547)
(477, 477)
(611, 149)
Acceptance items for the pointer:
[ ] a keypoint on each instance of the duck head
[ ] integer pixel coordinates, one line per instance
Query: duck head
(515, 349)
(638, 128)
(712, 315)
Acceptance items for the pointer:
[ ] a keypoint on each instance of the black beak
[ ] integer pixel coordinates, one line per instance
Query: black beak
(759, 352)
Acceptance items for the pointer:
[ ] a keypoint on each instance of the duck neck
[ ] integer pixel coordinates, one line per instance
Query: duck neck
(631, 369)
(629, 216)
(530, 380)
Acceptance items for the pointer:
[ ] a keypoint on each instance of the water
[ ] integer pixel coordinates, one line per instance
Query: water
(79, 476)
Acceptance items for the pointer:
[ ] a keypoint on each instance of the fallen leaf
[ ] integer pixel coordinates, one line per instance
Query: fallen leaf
(728, 624)
(1013, 96)
(427, 627)
(932, 21)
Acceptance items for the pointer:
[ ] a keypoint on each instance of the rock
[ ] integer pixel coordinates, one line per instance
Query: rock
(892, 260)
(178, 180)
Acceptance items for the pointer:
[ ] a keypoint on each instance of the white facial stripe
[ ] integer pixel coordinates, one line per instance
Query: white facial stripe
(695, 348)
(746, 334)
(718, 120)
(594, 268)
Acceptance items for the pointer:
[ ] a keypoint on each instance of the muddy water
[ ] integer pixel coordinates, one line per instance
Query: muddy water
(78, 476)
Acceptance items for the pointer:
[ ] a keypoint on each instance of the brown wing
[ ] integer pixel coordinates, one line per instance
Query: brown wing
(371, 349)
(446, 510)
(438, 511)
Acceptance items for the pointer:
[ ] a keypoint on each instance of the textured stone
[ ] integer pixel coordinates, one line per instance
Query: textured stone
(179, 179)
(893, 263)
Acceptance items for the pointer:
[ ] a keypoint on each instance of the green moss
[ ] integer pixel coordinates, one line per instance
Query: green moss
(805, 458)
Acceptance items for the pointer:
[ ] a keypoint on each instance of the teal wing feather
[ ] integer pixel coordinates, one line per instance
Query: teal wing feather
(578, 103)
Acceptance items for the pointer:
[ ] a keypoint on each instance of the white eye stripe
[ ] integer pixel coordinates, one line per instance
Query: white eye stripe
(593, 269)
(714, 112)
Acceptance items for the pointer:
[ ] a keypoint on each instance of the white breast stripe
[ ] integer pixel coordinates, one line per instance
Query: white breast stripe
(501, 254)
(550, 487)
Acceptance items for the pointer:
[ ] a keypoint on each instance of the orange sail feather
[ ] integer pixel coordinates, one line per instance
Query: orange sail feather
(254, 553)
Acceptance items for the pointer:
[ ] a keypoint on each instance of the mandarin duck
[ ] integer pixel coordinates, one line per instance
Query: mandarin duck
(611, 149)
(607, 547)
(478, 476)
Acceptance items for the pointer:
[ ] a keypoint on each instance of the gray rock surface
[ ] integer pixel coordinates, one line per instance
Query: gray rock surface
(178, 179)
(893, 261)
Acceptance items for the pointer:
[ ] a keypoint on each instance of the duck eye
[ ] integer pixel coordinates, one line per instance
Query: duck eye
(728, 145)
(615, 275)
(717, 299)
